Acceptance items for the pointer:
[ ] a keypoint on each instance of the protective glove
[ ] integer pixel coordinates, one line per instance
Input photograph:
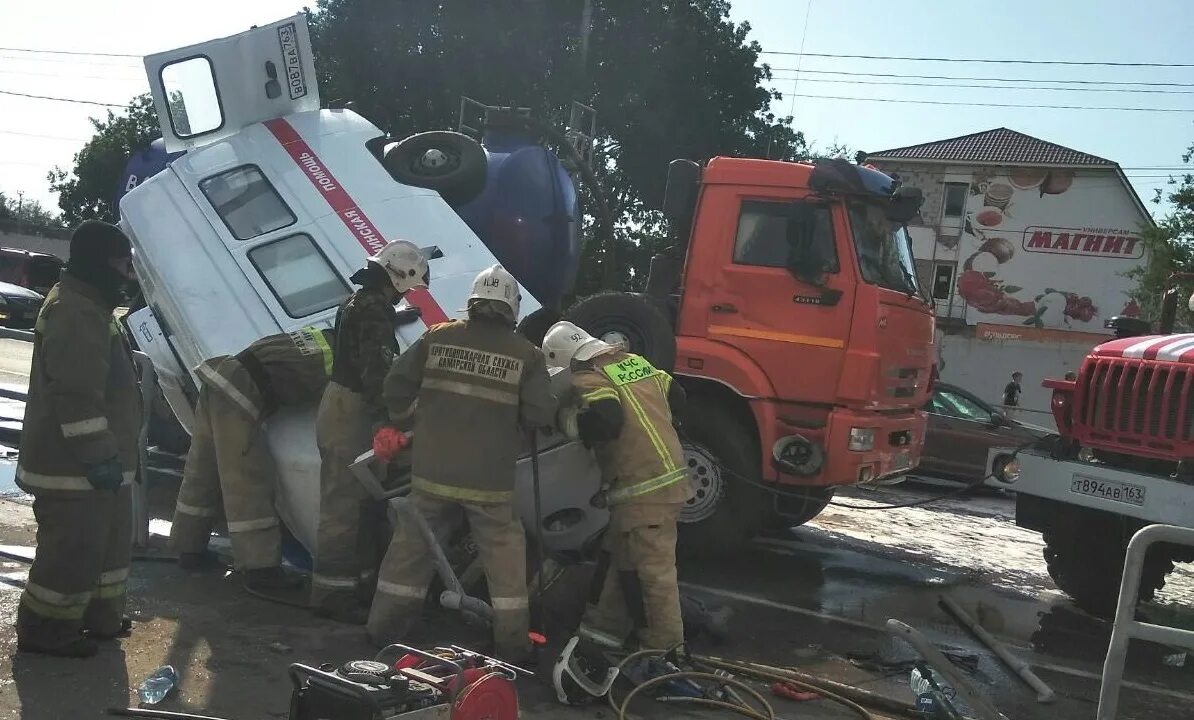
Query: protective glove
(566, 422)
(388, 441)
(106, 475)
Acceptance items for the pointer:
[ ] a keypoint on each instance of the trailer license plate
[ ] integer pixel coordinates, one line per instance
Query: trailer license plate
(1108, 490)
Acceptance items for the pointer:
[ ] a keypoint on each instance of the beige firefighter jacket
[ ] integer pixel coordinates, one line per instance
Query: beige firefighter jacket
(84, 404)
(475, 382)
(644, 465)
(283, 369)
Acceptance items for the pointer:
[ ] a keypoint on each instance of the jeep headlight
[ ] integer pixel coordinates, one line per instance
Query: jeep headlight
(862, 439)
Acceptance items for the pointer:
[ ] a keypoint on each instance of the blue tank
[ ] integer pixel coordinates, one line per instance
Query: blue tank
(528, 215)
(144, 164)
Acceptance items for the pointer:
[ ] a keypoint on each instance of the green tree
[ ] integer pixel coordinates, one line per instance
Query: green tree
(27, 212)
(1171, 246)
(668, 79)
(87, 191)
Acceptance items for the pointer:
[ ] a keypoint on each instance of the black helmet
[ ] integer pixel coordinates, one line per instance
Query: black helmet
(95, 242)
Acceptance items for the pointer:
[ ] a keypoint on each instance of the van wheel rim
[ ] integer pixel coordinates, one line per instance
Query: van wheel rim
(708, 486)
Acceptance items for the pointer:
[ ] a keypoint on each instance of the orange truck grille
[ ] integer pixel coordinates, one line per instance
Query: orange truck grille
(1135, 406)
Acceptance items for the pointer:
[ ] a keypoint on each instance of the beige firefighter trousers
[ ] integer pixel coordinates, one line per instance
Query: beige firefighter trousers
(407, 570)
(343, 431)
(78, 578)
(646, 548)
(230, 460)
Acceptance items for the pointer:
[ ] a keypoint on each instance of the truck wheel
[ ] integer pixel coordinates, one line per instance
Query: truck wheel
(1085, 551)
(724, 512)
(800, 505)
(534, 326)
(452, 164)
(633, 319)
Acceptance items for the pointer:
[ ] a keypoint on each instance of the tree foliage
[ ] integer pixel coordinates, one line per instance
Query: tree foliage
(27, 212)
(668, 79)
(1171, 247)
(88, 190)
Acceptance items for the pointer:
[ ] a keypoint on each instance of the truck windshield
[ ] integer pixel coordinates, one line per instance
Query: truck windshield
(884, 251)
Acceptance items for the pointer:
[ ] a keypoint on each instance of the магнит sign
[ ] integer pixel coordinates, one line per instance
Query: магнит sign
(1093, 242)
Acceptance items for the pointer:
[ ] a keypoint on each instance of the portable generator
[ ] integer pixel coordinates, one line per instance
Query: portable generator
(449, 683)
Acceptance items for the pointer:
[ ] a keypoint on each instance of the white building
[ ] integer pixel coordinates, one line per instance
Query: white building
(1023, 245)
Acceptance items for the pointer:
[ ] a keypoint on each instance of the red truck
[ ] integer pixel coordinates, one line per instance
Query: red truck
(1123, 459)
(791, 313)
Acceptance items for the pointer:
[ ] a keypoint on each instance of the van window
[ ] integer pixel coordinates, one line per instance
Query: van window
(246, 202)
(299, 275)
(193, 102)
(766, 231)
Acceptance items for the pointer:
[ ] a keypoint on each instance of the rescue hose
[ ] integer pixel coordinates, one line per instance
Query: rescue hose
(767, 673)
(767, 712)
(162, 714)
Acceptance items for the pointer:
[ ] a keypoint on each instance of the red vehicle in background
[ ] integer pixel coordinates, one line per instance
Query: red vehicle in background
(36, 271)
(791, 313)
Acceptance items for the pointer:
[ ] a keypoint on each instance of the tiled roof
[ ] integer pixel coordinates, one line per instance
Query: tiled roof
(994, 146)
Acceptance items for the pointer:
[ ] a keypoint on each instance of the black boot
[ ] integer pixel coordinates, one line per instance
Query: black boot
(126, 628)
(271, 579)
(83, 647)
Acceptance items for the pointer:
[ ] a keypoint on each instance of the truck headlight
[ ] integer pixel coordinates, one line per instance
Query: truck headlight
(1006, 469)
(862, 439)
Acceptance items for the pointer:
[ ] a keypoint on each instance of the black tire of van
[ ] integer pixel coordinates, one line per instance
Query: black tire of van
(720, 453)
(534, 326)
(635, 317)
(458, 181)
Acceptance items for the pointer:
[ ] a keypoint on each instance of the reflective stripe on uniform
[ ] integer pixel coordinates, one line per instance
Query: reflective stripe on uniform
(468, 390)
(60, 482)
(89, 426)
(333, 581)
(453, 492)
(600, 394)
(219, 382)
(112, 584)
(249, 525)
(53, 597)
(664, 454)
(502, 604)
(324, 348)
(401, 591)
(599, 637)
(195, 511)
(646, 486)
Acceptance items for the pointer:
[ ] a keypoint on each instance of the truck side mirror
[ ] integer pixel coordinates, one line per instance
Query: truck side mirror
(680, 195)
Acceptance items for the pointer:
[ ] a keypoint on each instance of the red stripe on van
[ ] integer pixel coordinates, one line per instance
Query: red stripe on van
(346, 208)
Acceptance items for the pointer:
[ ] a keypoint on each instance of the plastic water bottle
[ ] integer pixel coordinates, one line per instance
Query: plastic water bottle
(920, 684)
(931, 703)
(157, 686)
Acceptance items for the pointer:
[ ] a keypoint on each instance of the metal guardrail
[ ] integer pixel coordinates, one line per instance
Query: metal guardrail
(1127, 627)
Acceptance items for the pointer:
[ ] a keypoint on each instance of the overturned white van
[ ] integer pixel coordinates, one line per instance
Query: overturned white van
(254, 230)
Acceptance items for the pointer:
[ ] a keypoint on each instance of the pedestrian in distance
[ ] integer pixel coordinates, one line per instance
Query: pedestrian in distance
(229, 467)
(624, 408)
(351, 407)
(1011, 394)
(79, 452)
(476, 384)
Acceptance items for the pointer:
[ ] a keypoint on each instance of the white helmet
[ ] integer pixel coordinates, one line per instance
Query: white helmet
(405, 263)
(494, 283)
(565, 342)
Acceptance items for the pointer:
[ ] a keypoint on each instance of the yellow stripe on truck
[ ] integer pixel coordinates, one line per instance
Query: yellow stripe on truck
(817, 341)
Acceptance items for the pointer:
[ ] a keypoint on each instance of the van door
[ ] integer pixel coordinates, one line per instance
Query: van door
(794, 330)
(209, 91)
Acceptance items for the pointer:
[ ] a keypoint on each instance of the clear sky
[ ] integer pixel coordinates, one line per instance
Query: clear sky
(35, 135)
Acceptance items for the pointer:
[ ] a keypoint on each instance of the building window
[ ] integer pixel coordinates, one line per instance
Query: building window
(246, 202)
(955, 199)
(767, 232)
(299, 275)
(943, 280)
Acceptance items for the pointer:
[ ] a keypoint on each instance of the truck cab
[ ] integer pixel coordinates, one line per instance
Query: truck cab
(255, 229)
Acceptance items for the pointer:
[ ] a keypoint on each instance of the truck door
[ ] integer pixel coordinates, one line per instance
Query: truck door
(209, 91)
(793, 329)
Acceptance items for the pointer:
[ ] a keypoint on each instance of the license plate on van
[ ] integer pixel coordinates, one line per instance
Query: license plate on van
(1108, 490)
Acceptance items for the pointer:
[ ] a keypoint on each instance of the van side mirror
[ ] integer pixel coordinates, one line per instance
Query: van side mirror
(680, 195)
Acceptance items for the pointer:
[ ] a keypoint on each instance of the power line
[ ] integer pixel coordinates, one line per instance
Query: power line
(90, 62)
(987, 87)
(76, 76)
(69, 52)
(996, 61)
(1005, 105)
(60, 99)
(983, 79)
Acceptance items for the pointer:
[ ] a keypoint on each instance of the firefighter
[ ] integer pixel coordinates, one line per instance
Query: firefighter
(622, 407)
(79, 452)
(475, 382)
(351, 407)
(230, 458)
